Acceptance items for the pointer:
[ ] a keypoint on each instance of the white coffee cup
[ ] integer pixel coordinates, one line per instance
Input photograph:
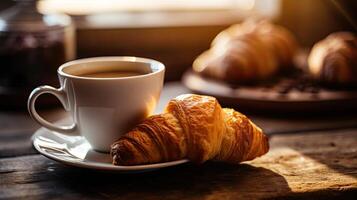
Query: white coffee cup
(103, 108)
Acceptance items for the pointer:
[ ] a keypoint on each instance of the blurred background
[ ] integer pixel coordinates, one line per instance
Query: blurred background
(37, 36)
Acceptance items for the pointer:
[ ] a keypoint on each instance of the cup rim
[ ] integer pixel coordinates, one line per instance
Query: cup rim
(161, 66)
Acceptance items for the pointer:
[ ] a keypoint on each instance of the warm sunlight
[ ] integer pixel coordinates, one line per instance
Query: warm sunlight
(178, 99)
(80, 7)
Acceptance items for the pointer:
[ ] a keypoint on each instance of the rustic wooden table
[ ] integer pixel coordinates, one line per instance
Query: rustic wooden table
(313, 158)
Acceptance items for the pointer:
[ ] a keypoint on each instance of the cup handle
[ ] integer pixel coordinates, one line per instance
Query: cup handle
(62, 96)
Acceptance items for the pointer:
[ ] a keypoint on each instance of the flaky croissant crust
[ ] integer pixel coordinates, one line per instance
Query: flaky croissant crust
(193, 127)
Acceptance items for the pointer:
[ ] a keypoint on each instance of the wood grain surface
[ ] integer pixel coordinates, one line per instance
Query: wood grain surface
(310, 158)
(315, 165)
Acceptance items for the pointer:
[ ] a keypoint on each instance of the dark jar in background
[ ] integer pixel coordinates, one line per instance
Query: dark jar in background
(32, 47)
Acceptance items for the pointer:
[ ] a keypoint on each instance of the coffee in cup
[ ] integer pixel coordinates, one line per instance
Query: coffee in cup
(106, 96)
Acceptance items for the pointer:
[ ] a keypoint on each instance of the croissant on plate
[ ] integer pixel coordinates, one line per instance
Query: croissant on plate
(333, 60)
(194, 127)
(248, 52)
(244, 59)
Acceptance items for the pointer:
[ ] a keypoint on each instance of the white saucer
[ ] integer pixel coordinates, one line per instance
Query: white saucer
(76, 151)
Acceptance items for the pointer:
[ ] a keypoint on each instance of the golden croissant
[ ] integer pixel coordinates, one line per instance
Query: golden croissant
(248, 52)
(333, 60)
(194, 127)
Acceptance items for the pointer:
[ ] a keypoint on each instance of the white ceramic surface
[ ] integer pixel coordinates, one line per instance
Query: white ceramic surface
(76, 151)
(103, 108)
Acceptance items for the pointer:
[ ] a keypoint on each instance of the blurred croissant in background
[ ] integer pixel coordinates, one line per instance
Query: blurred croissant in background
(248, 52)
(333, 60)
(194, 127)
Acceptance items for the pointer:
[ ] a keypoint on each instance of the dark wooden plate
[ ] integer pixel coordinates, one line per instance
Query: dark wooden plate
(272, 97)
